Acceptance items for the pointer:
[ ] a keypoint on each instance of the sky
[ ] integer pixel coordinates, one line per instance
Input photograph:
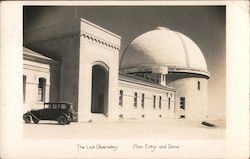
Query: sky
(205, 25)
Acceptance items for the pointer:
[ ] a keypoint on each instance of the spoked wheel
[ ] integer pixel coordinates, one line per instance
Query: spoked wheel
(35, 120)
(62, 120)
(27, 119)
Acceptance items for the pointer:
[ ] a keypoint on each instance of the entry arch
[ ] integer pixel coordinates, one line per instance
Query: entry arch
(99, 88)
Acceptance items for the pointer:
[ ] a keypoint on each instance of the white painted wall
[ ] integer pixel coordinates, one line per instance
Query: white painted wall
(33, 71)
(93, 49)
(130, 112)
(196, 100)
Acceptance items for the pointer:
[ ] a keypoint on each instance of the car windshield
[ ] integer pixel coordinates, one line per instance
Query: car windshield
(46, 106)
(63, 106)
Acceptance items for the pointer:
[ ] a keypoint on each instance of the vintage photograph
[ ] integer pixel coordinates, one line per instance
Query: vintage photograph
(124, 72)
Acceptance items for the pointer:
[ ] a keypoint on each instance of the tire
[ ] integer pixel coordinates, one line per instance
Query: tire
(35, 120)
(27, 119)
(62, 120)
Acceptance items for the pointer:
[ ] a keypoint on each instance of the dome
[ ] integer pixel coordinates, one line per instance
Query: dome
(163, 48)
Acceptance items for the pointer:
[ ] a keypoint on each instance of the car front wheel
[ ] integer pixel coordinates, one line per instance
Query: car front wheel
(62, 120)
(27, 119)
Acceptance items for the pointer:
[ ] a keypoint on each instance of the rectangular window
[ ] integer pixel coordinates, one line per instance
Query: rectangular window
(142, 100)
(182, 103)
(41, 89)
(169, 103)
(121, 97)
(199, 85)
(160, 102)
(63, 106)
(54, 106)
(135, 100)
(154, 100)
(24, 88)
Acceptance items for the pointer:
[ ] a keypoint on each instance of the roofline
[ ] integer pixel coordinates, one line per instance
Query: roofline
(135, 69)
(140, 81)
(36, 54)
(31, 56)
(96, 26)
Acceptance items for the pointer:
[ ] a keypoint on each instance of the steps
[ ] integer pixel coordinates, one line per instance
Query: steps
(96, 117)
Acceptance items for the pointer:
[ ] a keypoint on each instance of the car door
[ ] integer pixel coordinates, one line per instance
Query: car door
(45, 113)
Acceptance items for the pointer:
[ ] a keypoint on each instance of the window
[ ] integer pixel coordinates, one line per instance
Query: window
(63, 106)
(135, 100)
(142, 100)
(182, 103)
(168, 103)
(41, 89)
(199, 85)
(154, 100)
(54, 106)
(24, 88)
(160, 102)
(121, 97)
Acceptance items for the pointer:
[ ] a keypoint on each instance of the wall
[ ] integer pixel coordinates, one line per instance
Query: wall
(129, 111)
(35, 67)
(195, 100)
(97, 46)
(33, 71)
(62, 43)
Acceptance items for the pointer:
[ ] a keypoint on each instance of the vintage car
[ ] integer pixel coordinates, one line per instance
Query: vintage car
(63, 113)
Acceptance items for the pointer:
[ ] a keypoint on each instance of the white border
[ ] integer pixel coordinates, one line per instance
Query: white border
(235, 144)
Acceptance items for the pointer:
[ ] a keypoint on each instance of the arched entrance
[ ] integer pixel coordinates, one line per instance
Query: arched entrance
(99, 98)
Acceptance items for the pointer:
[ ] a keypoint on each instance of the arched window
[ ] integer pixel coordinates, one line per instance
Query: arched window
(41, 89)
(24, 88)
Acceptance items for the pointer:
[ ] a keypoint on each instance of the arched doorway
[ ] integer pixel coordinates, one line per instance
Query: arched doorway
(99, 98)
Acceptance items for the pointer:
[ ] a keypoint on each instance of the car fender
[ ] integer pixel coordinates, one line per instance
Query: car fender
(67, 116)
(26, 114)
(34, 116)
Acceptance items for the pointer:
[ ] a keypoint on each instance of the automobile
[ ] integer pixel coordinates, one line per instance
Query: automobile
(63, 113)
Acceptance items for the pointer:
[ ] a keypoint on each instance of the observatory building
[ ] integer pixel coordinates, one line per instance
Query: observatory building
(162, 74)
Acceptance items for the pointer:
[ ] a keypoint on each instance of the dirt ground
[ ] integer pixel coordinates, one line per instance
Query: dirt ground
(126, 129)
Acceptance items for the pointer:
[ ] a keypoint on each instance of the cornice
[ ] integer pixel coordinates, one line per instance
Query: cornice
(88, 36)
(54, 38)
(100, 41)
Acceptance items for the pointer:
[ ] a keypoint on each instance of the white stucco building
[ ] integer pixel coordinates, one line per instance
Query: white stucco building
(162, 73)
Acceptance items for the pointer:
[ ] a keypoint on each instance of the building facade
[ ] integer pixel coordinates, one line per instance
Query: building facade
(162, 73)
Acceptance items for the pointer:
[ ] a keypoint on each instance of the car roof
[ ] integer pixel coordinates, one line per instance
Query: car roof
(58, 103)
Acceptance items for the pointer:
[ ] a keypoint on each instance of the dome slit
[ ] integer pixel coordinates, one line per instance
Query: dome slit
(185, 49)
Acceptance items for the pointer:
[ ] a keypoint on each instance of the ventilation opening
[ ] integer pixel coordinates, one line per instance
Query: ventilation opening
(143, 116)
(160, 116)
(182, 116)
(120, 116)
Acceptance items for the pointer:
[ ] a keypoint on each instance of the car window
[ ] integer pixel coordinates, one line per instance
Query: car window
(46, 106)
(54, 106)
(63, 106)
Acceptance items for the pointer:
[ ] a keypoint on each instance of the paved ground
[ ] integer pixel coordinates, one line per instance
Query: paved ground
(177, 129)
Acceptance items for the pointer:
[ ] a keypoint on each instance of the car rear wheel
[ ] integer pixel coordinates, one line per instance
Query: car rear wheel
(62, 120)
(27, 119)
